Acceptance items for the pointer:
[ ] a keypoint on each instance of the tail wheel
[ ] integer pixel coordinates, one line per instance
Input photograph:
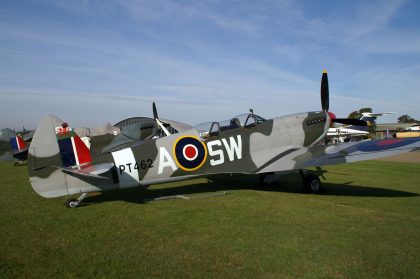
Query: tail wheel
(72, 203)
(312, 184)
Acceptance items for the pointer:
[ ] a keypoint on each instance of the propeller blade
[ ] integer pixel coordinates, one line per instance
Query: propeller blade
(325, 95)
(350, 121)
(155, 114)
(158, 122)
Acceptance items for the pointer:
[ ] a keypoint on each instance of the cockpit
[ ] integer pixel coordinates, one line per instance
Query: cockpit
(242, 121)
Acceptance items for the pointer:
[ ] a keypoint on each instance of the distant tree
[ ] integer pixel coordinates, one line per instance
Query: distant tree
(357, 114)
(404, 119)
(372, 127)
(365, 110)
(354, 115)
(407, 119)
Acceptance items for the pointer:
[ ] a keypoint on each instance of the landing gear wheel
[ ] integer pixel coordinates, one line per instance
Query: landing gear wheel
(312, 184)
(72, 203)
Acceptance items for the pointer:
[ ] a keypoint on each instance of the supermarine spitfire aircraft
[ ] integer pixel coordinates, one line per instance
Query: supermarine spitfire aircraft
(59, 164)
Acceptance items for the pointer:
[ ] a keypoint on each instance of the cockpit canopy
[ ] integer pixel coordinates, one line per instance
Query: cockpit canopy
(246, 120)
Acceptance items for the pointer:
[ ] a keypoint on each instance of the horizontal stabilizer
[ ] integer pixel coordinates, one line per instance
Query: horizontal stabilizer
(21, 155)
(93, 171)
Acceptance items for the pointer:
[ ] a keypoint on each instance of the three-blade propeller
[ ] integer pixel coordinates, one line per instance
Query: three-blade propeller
(325, 104)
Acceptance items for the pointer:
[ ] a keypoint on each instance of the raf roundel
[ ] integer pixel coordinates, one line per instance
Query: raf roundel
(190, 153)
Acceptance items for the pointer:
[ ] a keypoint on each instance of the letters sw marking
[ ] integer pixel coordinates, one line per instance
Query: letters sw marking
(232, 146)
(165, 160)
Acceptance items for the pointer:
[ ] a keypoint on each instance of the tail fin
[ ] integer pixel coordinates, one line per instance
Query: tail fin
(369, 118)
(53, 147)
(19, 148)
(17, 143)
(73, 150)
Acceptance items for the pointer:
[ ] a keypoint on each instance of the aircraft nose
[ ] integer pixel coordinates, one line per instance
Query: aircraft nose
(332, 117)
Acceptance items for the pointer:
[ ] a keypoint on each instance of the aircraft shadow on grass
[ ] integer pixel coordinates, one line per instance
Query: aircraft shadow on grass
(292, 184)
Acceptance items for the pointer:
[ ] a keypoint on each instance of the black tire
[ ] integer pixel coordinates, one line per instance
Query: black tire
(312, 184)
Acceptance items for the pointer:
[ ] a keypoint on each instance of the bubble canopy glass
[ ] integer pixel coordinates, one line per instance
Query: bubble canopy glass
(246, 120)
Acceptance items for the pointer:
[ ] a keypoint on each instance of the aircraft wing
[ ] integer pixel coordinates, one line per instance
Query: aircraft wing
(21, 155)
(323, 155)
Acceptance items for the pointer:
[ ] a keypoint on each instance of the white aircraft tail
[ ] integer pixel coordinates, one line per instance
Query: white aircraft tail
(370, 118)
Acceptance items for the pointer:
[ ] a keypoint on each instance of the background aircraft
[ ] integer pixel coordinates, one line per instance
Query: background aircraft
(14, 145)
(415, 127)
(5, 151)
(344, 133)
(59, 164)
(19, 148)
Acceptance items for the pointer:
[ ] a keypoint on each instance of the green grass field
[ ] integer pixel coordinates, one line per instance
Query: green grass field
(366, 225)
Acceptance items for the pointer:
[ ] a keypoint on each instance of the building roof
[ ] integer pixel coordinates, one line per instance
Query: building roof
(133, 121)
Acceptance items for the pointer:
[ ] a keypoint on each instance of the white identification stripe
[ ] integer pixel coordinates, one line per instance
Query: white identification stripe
(18, 143)
(75, 151)
(125, 162)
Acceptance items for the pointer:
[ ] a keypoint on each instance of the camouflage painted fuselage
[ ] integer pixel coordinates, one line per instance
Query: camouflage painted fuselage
(258, 148)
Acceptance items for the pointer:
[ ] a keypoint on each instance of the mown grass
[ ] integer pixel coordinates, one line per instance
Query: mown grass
(366, 225)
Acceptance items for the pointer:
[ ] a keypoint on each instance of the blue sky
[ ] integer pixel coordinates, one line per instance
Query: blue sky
(93, 62)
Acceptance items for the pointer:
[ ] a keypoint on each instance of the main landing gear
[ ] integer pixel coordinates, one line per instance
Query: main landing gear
(310, 182)
(73, 203)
